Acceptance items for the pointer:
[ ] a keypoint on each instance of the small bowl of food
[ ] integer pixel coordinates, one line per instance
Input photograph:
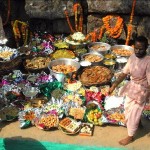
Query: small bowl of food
(121, 62)
(99, 47)
(110, 56)
(93, 57)
(109, 63)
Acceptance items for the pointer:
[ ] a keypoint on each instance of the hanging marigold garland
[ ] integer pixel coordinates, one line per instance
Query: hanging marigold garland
(21, 32)
(113, 32)
(129, 27)
(78, 24)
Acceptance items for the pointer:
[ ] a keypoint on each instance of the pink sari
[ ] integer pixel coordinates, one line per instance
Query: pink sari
(136, 90)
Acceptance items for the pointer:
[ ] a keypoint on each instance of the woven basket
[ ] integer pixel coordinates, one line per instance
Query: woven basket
(9, 66)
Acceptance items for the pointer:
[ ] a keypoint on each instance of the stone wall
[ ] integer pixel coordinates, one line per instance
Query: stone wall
(94, 10)
(48, 15)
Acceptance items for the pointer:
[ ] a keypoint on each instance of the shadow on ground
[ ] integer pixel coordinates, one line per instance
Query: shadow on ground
(19, 143)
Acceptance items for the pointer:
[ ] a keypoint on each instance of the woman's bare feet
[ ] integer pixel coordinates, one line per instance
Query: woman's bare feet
(126, 141)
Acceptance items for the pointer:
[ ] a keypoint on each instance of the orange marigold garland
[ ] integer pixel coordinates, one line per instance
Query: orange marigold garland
(115, 31)
(78, 24)
(68, 20)
(130, 23)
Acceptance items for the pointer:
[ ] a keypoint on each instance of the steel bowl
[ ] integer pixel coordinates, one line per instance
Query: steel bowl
(121, 62)
(93, 53)
(109, 63)
(65, 61)
(103, 47)
(123, 47)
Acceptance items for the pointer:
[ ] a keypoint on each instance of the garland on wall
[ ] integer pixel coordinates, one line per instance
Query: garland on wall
(77, 9)
(113, 32)
(21, 30)
(129, 27)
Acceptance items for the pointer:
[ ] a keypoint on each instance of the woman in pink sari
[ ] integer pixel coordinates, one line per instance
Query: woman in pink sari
(137, 91)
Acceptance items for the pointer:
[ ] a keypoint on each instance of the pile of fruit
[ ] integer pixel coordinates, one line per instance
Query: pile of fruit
(94, 116)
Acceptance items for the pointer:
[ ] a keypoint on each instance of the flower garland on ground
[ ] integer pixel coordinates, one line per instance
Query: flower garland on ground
(21, 32)
(78, 24)
(113, 32)
(129, 27)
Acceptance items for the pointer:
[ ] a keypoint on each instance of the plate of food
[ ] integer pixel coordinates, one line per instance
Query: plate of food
(122, 50)
(69, 126)
(95, 75)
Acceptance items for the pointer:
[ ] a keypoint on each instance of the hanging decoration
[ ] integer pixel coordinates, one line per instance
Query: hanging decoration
(21, 30)
(78, 23)
(113, 32)
(129, 27)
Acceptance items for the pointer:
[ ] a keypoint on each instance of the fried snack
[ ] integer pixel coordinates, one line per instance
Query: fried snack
(77, 113)
(5, 54)
(92, 58)
(122, 52)
(64, 68)
(38, 62)
(98, 47)
(49, 121)
(95, 75)
(74, 98)
(117, 116)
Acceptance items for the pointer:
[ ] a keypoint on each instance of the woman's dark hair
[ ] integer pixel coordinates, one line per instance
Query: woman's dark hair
(142, 39)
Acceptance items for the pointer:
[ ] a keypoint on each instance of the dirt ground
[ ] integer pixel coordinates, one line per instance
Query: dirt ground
(103, 136)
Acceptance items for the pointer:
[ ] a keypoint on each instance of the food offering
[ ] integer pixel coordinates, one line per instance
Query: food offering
(122, 50)
(27, 116)
(60, 44)
(65, 69)
(76, 38)
(54, 107)
(8, 113)
(110, 63)
(95, 75)
(63, 53)
(38, 102)
(93, 58)
(73, 98)
(94, 115)
(77, 113)
(37, 63)
(110, 56)
(115, 116)
(46, 122)
(69, 125)
(74, 86)
(80, 51)
(99, 47)
(86, 129)
(7, 53)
